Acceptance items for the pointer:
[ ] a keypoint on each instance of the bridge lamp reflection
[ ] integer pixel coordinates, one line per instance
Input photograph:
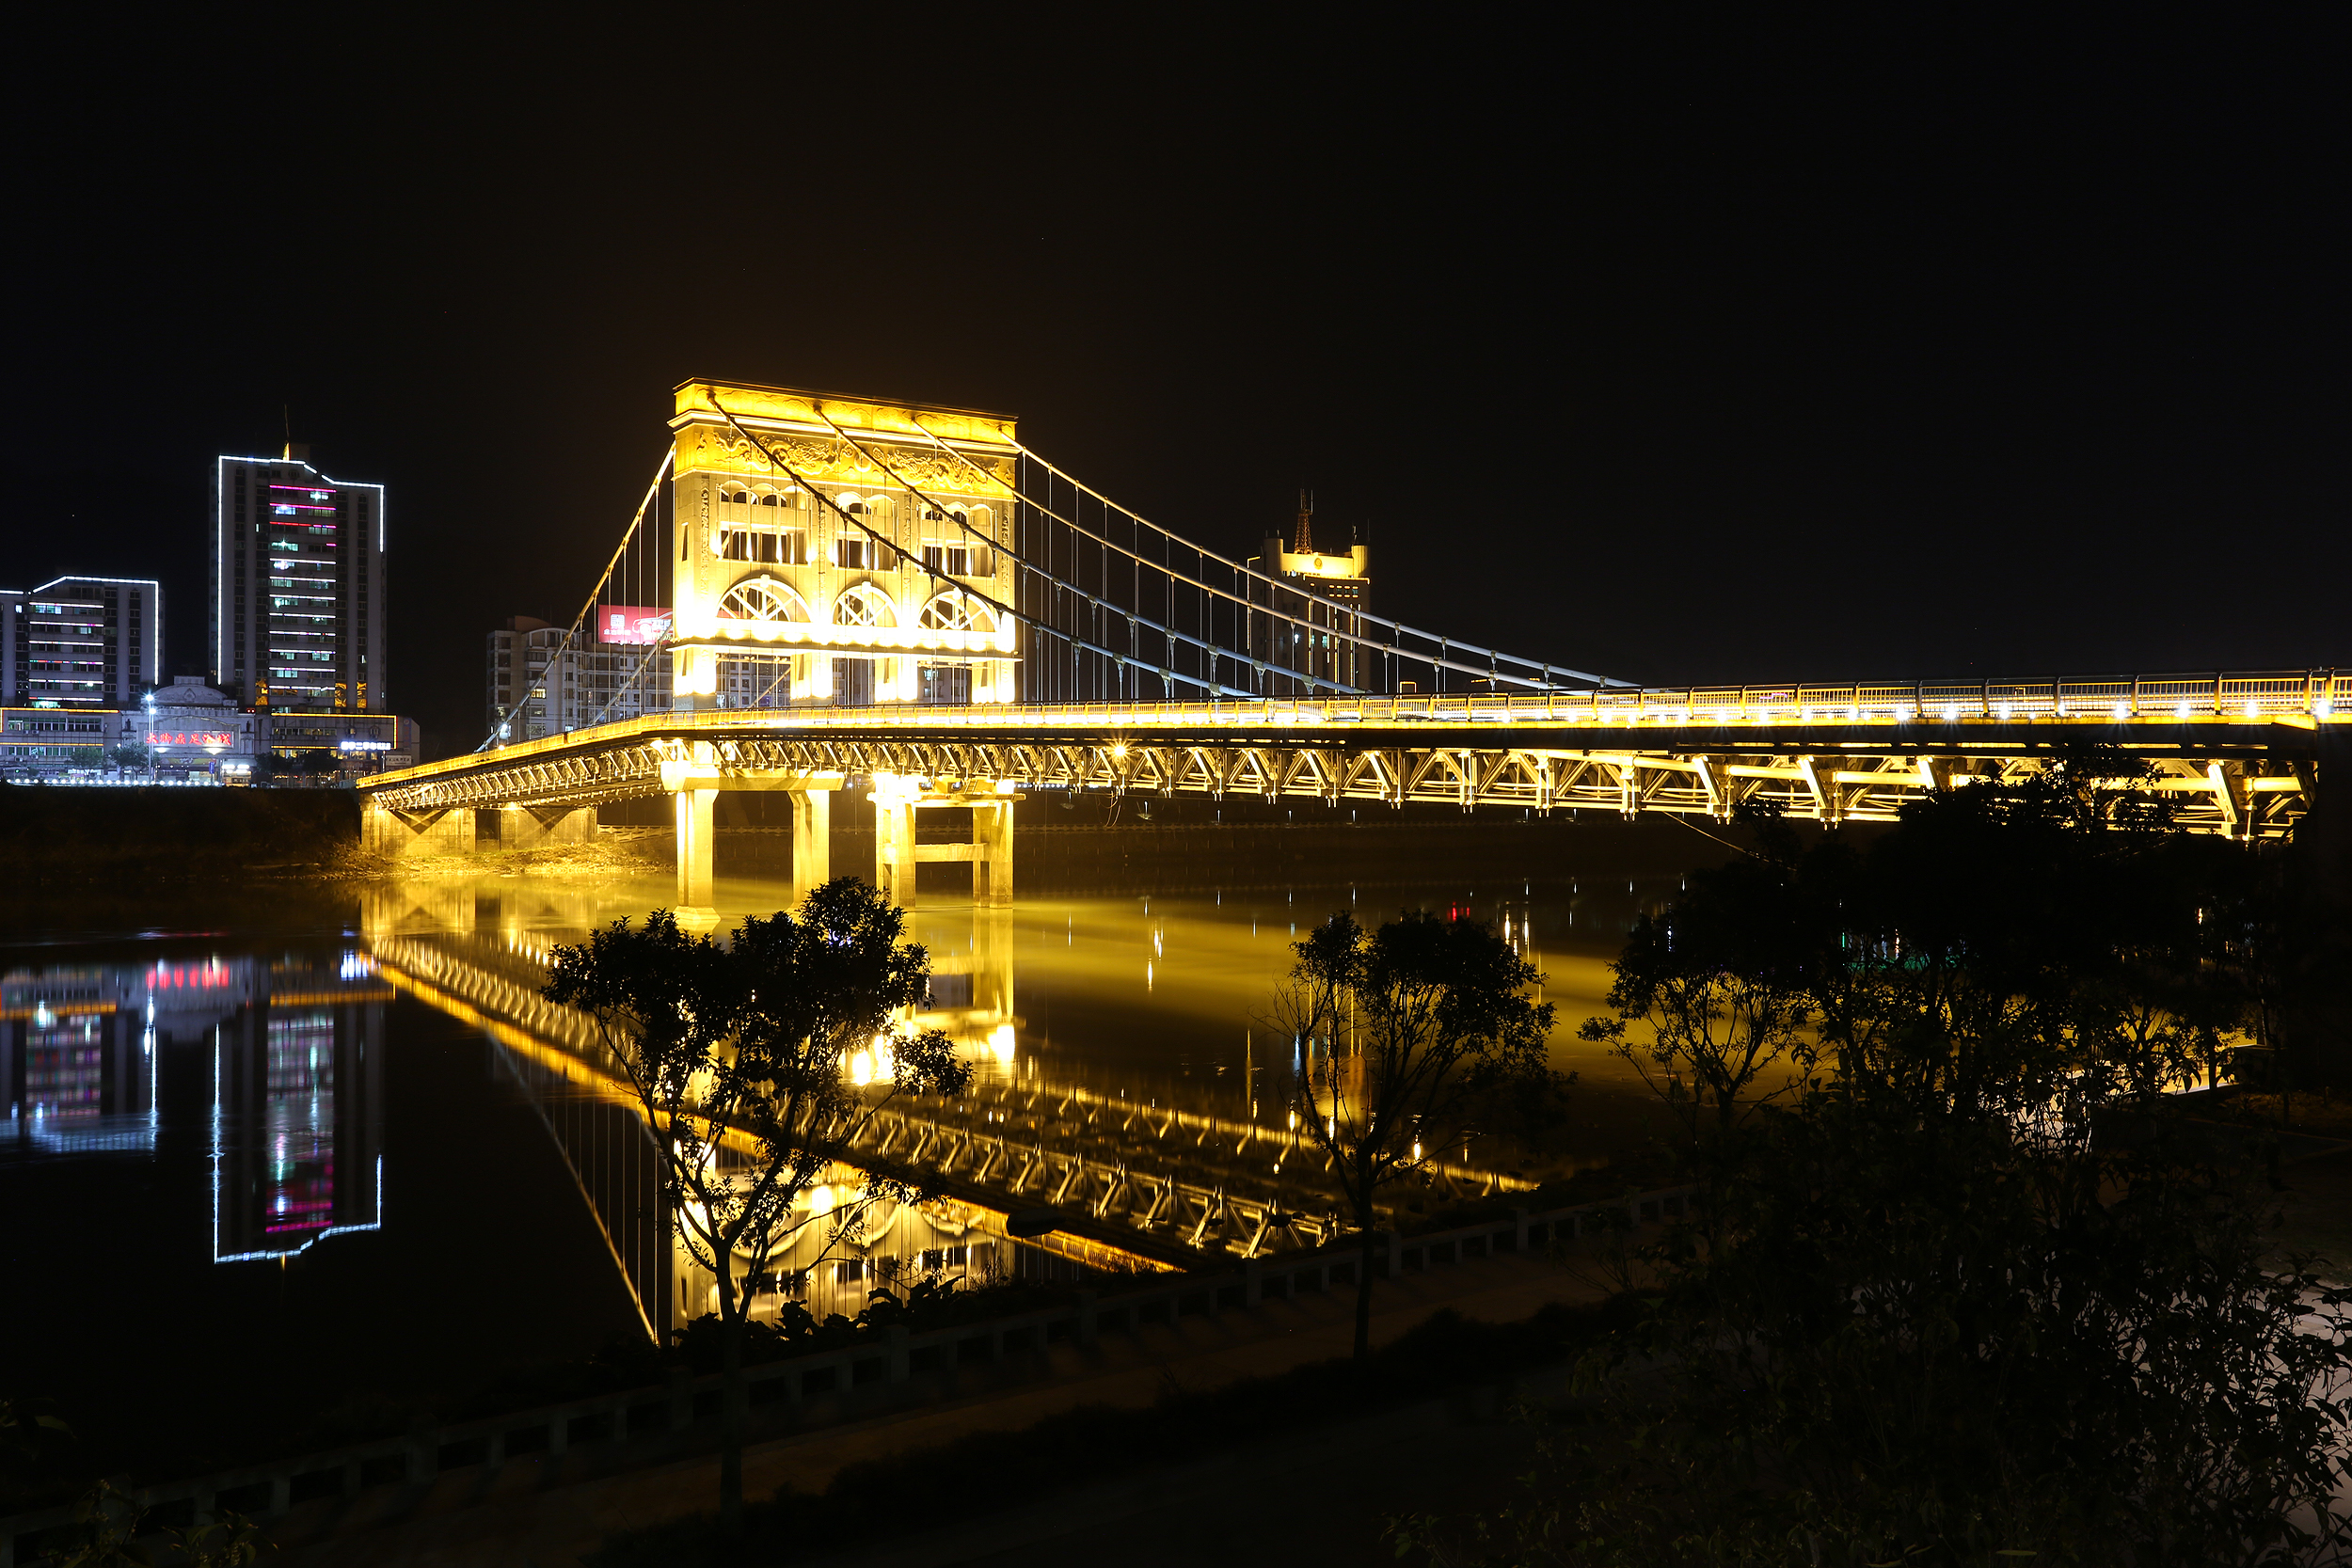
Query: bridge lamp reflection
(1000, 1043)
(820, 1199)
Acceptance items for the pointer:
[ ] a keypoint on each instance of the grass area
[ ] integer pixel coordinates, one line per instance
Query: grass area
(928, 1487)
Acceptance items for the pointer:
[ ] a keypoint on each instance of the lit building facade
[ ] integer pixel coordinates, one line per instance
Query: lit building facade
(81, 643)
(534, 685)
(190, 731)
(344, 745)
(840, 550)
(40, 742)
(1304, 642)
(298, 587)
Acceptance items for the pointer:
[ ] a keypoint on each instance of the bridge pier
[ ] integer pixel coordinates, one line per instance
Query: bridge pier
(693, 808)
(534, 827)
(896, 799)
(812, 841)
(694, 783)
(894, 804)
(399, 834)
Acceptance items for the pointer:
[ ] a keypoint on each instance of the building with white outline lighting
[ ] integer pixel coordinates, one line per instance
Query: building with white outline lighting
(299, 586)
(81, 643)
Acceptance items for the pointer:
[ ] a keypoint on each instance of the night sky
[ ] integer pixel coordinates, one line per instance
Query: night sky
(1701, 346)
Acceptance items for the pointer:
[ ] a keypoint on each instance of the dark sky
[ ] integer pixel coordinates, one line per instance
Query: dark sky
(1714, 346)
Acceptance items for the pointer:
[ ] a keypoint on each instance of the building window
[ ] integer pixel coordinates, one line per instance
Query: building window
(861, 555)
(762, 599)
(863, 606)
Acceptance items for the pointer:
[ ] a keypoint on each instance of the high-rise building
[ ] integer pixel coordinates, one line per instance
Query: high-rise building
(534, 686)
(81, 643)
(297, 587)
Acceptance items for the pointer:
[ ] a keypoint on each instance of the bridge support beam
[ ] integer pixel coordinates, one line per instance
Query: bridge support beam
(812, 841)
(536, 827)
(399, 834)
(992, 858)
(693, 808)
(895, 801)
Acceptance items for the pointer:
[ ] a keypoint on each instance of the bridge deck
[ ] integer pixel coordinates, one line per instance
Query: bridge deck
(2239, 750)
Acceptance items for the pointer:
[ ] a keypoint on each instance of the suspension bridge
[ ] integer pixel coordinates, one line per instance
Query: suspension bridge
(904, 599)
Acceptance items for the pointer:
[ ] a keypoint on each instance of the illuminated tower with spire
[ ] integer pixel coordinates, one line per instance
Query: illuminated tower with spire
(1314, 593)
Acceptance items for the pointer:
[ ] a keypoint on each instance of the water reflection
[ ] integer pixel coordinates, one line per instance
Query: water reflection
(298, 1110)
(1123, 1071)
(77, 1054)
(295, 1115)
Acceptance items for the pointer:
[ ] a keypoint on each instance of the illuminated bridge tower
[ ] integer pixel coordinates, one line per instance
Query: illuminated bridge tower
(1333, 591)
(834, 552)
(805, 545)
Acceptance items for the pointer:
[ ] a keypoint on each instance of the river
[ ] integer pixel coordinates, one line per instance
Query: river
(277, 1160)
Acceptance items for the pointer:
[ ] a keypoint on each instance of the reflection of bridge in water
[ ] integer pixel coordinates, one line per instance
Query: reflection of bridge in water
(1141, 1186)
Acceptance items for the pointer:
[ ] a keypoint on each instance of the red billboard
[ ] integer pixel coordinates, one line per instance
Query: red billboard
(642, 624)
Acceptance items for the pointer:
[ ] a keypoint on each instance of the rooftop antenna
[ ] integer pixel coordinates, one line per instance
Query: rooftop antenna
(1305, 542)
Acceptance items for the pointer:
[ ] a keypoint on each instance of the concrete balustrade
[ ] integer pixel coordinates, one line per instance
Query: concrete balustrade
(896, 1368)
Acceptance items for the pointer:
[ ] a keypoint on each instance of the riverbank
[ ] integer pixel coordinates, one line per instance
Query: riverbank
(61, 837)
(90, 838)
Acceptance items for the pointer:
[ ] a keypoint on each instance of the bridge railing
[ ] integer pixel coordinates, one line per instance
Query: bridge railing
(2319, 694)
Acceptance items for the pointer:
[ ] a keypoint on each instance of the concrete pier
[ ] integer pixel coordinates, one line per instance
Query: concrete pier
(402, 833)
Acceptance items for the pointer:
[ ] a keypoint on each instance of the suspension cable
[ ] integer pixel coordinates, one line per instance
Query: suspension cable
(1273, 612)
(555, 660)
(1276, 583)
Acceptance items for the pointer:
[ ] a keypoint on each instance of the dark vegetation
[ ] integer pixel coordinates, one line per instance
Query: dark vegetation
(739, 1053)
(1970, 1288)
(63, 836)
(1409, 1037)
(878, 1499)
